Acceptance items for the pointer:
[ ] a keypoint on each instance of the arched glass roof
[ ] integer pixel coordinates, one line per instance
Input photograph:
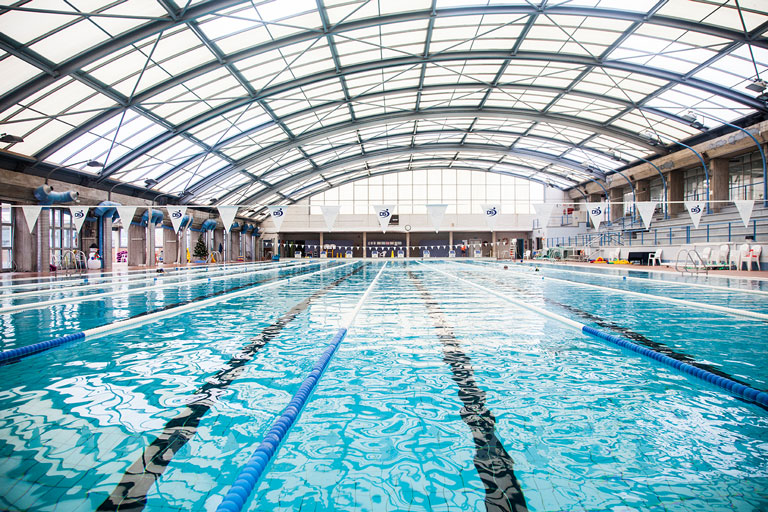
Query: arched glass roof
(256, 102)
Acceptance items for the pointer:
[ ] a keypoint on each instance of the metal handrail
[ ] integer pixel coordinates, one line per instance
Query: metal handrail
(697, 263)
(211, 255)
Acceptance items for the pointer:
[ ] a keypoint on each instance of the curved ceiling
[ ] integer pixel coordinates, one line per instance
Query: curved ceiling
(258, 102)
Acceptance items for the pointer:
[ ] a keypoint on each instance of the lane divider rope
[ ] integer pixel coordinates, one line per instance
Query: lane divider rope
(256, 466)
(729, 385)
(121, 325)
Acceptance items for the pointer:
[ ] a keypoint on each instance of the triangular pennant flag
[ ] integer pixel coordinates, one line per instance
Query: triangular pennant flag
(278, 215)
(126, 214)
(329, 214)
(695, 210)
(227, 214)
(596, 212)
(436, 213)
(543, 213)
(646, 209)
(384, 214)
(177, 214)
(78, 216)
(491, 215)
(31, 213)
(744, 206)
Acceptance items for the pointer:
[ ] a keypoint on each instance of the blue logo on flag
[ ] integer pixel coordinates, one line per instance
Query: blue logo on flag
(491, 212)
(278, 213)
(79, 214)
(384, 213)
(696, 209)
(176, 214)
(597, 211)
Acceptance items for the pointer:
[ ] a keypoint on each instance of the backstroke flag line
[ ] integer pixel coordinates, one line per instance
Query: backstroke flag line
(177, 214)
(744, 206)
(227, 214)
(329, 214)
(126, 214)
(31, 213)
(384, 214)
(436, 213)
(278, 215)
(596, 212)
(695, 210)
(646, 209)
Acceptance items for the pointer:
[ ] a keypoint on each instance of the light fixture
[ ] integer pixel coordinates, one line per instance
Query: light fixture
(690, 118)
(651, 138)
(88, 163)
(757, 85)
(150, 182)
(7, 137)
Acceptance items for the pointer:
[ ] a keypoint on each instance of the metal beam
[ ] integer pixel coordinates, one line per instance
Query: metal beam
(455, 112)
(390, 152)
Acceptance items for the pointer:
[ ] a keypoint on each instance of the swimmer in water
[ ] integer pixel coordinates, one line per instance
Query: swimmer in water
(505, 267)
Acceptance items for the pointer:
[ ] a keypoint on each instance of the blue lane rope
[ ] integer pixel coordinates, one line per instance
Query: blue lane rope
(760, 397)
(18, 353)
(255, 467)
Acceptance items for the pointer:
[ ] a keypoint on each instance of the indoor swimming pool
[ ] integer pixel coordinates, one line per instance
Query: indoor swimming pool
(460, 385)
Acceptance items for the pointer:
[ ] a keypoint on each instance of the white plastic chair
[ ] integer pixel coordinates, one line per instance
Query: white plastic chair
(754, 257)
(655, 258)
(722, 257)
(706, 254)
(743, 256)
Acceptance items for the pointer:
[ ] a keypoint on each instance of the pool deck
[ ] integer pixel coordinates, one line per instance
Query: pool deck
(754, 274)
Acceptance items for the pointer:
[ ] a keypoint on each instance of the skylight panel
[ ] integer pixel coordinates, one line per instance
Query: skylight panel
(640, 122)
(680, 99)
(345, 10)
(619, 84)
(392, 6)
(575, 106)
(716, 14)
(69, 41)
(15, 72)
(520, 100)
(610, 145)
(27, 26)
(561, 132)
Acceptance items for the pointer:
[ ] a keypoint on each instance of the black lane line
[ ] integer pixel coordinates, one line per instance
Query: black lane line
(494, 465)
(131, 493)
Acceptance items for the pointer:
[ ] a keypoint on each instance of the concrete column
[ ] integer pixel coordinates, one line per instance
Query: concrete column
(149, 246)
(450, 240)
(617, 196)
(718, 186)
(182, 248)
(44, 241)
(365, 245)
(24, 242)
(676, 191)
(595, 198)
(643, 190)
(407, 244)
(136, 245)
(106, 230)
(493, 244)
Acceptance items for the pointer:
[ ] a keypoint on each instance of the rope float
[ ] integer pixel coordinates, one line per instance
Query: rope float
(729, 385)
(256, 466)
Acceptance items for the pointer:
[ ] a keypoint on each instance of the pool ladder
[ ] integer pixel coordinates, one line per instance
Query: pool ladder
(692, 262)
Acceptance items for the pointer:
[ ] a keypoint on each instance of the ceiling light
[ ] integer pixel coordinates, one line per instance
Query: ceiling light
(7, 137)
(757, 85)
(150, 182)
(93, 163)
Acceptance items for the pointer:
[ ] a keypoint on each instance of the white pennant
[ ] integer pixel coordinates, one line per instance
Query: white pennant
(227, 214)
(176, 213)
(126, 214)
(491, 215)
(436, 213)
(596, 212)
(543, 213)
(384, 214)
(695, 210)
(31, 213)
(278, 215)
(329, 214)
(646, 209)
(745, 209)
(78, 216)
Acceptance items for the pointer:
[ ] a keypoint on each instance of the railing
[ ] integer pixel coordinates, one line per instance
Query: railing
(215, 257)
(692, 262)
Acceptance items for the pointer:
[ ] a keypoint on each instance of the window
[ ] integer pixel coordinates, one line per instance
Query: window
(745, 177)
(6, 247)
(63, 234)
(694, 185)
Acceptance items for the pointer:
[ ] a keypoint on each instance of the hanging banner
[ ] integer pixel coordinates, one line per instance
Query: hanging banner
(176, 213)
(491, 215)
(436, 213)
(745, 210)
(126, 214)
(329, 214)
(695, 210)
(31, 213)
(543, 213)
(596, 212)
(227, 214)
(78, 216)
(384, 214)
(646, 209)
(278, 215)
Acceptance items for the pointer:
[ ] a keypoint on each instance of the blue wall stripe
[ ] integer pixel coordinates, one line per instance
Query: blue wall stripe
(256, 466)
(729, 385)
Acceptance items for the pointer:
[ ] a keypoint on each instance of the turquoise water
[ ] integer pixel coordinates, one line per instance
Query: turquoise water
(431, 369)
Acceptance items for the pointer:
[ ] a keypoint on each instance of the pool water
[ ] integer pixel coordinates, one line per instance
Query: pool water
(440, 397)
